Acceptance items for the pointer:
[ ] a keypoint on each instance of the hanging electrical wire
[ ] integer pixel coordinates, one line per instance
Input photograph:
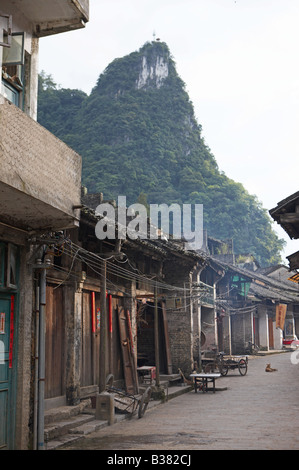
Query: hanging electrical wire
(93, 259)
(94, 262)
(69, 272)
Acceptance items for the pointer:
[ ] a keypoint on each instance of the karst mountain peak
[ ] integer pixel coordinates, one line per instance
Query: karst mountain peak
(138, 137)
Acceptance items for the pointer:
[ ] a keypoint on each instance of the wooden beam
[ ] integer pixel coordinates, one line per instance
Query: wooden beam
(290, 218)
(294, 260)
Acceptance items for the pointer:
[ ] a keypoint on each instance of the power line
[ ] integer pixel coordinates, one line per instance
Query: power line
(92, 260)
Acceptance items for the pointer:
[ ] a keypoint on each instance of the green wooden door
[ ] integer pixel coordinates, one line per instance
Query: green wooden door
(6, 342)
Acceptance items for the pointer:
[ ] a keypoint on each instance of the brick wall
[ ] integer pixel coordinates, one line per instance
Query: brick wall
(179, 327)
(179, 315)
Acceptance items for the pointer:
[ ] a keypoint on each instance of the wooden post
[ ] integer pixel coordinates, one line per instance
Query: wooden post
(157, 356)
(167, 345)
(93, 337)
(103, 329)
(110, 334)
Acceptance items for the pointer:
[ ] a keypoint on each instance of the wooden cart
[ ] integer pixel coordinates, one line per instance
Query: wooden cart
(223, 363)
(128, 403)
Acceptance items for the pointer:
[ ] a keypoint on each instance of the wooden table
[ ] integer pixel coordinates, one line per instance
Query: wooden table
(204, 379)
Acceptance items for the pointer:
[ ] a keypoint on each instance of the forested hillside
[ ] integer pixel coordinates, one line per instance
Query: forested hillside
(138, 137)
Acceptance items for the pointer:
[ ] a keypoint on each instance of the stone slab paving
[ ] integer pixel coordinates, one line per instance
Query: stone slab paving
(259, 411)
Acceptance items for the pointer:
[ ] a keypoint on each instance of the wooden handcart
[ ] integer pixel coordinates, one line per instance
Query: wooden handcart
(222, 363)
(127, 403)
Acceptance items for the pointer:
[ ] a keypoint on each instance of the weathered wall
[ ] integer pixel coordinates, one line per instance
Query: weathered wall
(36, 163)
(179, 327)
(241, 327)
(263, 327)
(208, 327)
(226, 334)
(179, 316)
(23, 325)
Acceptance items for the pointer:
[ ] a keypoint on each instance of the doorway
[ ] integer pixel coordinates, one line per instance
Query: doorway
(271, 335)
(146, 337)
(55, 344)
(6, 361)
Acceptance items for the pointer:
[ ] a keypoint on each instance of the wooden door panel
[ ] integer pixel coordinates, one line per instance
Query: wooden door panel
(87, 362)
(55, 345)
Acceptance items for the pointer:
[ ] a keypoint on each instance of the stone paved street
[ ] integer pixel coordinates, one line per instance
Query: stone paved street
(257, 411)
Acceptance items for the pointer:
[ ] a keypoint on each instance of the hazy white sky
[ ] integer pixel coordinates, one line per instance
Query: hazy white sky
(239, 60)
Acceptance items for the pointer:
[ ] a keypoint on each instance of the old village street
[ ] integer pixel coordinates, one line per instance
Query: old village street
(257, 411)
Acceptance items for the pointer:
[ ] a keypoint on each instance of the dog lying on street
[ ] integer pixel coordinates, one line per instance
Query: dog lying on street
(269, 368)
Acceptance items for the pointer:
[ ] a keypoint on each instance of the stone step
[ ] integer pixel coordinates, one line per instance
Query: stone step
(76, 433)
(61, 441)
(171, 378)
(64, 412)
(64, 426)
(89, 427)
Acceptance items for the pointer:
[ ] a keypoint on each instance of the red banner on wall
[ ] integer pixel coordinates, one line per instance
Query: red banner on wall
(93, 313)
(11, 335)
(110, 312)
(281, 310)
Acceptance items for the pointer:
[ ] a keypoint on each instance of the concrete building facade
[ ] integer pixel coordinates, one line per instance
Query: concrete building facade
(39, 192)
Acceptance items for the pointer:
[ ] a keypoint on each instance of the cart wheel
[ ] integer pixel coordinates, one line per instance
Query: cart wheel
(224, 370)
(144, 402)
(109, 380)
(242, 366)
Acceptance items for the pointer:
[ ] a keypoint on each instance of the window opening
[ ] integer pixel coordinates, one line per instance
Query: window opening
(13, 61)
(2, 264)
(12, 266)
(5, 30)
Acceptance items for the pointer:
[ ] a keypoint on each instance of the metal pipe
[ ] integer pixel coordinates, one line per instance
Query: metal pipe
(199, 316)
(103, 330)
(35, 410)
(191, 322)
(156, 326)
(110, 333)
(41, 362)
